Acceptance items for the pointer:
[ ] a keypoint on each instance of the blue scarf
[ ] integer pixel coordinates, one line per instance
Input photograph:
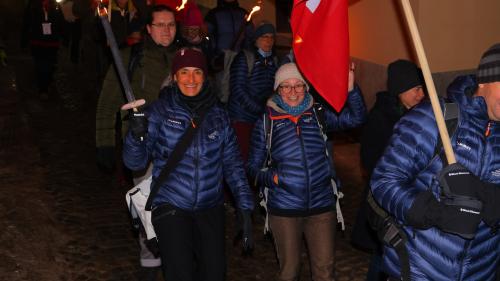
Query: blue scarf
(293, 110)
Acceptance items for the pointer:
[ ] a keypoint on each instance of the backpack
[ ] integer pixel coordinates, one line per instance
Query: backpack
(389, 232)
(319, 113)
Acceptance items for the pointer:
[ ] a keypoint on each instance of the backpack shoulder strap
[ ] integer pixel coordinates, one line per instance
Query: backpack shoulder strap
(250, 56)
(264, 191)
(319, 112)
(268, 133)
(136, 55)
(451, 114)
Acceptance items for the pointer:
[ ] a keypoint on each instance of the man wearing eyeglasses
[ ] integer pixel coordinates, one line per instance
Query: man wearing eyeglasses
(149, 67)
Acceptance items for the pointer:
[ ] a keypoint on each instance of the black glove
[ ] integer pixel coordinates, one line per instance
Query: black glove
(489, 194)
(138, 125)
(457, 181)
(427, 212)
(106, 158)
(246, 225)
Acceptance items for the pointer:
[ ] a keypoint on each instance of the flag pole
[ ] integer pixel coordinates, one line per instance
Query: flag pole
(438, 113)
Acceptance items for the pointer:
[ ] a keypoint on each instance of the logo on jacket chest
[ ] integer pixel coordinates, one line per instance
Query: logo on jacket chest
(175, 123)
(307, 119)
(279, 124)
(213, 136)
(463, 145)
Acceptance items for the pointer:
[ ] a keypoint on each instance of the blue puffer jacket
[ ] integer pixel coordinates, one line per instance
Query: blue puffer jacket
(298, 157)
(409, 167)
(249, 93)
(197, 181)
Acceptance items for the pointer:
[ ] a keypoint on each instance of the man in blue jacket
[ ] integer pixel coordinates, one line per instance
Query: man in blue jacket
(447, 214)
(251, 85)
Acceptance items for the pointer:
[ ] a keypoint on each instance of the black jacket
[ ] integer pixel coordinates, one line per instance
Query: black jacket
(378, 129)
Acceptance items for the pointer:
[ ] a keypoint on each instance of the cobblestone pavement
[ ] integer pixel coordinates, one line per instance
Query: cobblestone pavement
(63, 219)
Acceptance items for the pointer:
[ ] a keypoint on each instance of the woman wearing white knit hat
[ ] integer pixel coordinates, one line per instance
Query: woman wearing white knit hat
(301, 200)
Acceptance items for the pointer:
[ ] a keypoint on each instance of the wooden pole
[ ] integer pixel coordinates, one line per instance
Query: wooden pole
(438, 113)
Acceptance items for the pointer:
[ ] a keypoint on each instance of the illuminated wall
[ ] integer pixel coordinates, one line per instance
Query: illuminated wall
(454, 32)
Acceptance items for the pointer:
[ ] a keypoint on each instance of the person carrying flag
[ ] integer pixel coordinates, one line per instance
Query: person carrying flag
(447, 214)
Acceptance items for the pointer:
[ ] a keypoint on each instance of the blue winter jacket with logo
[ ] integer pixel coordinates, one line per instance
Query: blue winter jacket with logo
(409, 167)
(197, 181)
(298, 157)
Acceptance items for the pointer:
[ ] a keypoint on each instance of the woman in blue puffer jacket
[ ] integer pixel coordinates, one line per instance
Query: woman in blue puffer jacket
(301, 199)
(188, 211)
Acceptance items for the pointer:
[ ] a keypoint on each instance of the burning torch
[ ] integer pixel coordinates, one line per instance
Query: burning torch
(116, 55)
(182, 6)
(243, 25)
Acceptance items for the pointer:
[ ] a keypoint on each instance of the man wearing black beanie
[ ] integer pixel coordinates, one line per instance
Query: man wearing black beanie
(447, 214)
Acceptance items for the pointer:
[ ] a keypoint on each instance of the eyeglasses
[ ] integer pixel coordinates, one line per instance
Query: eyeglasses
(164, 25)
(299, 88)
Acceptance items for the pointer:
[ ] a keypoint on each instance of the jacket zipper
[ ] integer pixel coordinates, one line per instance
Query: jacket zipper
(467, 244)
(487, 133)
(308, 187)
(196, 161)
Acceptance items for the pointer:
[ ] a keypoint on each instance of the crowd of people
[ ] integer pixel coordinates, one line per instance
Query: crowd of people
(217, 110)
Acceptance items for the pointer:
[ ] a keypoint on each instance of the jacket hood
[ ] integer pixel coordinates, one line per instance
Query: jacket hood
(462, 90)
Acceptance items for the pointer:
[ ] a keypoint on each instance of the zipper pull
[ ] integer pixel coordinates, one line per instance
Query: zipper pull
(488, 130)
(192, 123)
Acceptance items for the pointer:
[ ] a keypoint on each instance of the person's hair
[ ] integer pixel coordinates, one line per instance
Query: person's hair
(157, 9)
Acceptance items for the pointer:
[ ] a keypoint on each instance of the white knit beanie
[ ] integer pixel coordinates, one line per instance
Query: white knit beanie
(287, 71)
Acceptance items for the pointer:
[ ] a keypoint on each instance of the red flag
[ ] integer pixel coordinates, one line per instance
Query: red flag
(321, 46)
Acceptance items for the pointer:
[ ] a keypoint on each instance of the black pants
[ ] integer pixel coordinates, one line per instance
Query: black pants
(191, 243)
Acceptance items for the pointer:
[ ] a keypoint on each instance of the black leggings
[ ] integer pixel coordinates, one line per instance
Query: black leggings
(191, 243)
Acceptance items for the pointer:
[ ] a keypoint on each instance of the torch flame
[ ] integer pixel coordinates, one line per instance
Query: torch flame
(181, 6)
(254, 9)
(101, 11)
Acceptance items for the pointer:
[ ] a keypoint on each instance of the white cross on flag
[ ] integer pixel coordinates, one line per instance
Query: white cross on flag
(321, 46)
